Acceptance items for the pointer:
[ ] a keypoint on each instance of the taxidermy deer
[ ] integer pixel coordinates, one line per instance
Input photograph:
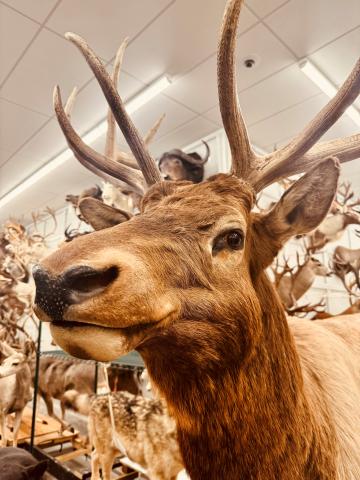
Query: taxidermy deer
(293, 283)
(343, 214)
(254, 395)
(15, 387)
(177, 165)
(347, 260)
(145, 429)
(73, 383)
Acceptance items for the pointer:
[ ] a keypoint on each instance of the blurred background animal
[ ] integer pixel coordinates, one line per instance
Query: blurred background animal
(18, 464)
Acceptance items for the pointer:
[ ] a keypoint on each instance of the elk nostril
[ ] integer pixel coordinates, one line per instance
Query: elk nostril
(88, 280)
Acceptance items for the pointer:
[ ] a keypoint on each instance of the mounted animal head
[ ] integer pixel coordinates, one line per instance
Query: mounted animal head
(189, 269)
(177, 165)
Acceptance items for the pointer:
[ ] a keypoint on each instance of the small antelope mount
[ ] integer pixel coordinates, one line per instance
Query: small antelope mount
(254, 395)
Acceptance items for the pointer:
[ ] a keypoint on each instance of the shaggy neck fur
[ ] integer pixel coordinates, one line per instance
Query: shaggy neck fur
(240, 418)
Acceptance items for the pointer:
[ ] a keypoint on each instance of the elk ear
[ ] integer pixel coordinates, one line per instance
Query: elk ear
(304, 205)
(101, 216)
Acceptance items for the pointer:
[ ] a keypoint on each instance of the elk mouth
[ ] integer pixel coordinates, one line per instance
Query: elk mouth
(131, 330)
(103, 343)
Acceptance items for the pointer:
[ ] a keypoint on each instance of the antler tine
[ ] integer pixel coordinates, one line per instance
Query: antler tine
(70, 102)
(235, 128)
(110, 144)
(292, 158)
(146, 162)
(153, 130)
(128, 159)
(301, 153)
(92, 160)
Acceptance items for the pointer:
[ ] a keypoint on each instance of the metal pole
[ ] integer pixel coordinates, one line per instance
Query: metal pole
(96, 377)
(36, 387)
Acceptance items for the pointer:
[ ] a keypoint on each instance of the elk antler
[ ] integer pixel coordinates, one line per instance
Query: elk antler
(110, 145)
(318, 307)
(146, 162)
(298, 155)
(103, 165)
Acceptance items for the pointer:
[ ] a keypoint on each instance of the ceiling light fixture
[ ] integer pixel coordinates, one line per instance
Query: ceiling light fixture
(314, 74)
(132, 105)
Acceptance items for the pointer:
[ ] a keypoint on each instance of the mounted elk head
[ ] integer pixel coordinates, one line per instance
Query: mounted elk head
(177, 165)
(183, 282)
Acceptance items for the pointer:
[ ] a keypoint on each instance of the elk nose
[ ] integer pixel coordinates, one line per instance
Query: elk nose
(55, 294)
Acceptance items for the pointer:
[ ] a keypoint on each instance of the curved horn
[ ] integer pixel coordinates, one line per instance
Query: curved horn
(207, 154)
(132, 136)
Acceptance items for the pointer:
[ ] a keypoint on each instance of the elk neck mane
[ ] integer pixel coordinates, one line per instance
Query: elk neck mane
(240, 368)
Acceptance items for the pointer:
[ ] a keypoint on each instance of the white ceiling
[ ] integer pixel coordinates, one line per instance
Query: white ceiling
(177, 37)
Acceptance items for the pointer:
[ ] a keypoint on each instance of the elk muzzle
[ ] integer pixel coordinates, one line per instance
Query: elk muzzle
(54, 294)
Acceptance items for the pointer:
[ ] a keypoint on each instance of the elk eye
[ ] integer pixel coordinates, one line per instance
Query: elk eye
(233, 240)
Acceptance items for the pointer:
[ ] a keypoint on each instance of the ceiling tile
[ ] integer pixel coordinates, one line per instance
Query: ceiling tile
(214, 115)
(11, 43)
(17, 124)
(274, 94)
(285, 125)
(4, 154)
(178, 41)
(269, 53)
(105, 25)
(278, 92)
(176, 115)
(47, 143)
(198, 89)
(37, 10)
(264, 7)
(337, 59)
(91, 106)
(191, 131)
(308, 24)
(49, 61)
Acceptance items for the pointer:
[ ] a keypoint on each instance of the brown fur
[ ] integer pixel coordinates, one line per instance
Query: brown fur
(145, 429)
(252, 398)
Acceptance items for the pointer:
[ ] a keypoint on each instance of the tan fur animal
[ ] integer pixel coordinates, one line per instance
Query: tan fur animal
(145, 429)
(254, 396)
(15, 391)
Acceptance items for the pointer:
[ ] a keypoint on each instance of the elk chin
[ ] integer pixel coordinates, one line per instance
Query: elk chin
(93, 342)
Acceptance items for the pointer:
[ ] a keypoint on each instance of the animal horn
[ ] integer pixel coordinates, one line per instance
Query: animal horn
(146, 162)
(106, 168)
(234, 125)
(110, 144)
(299, 154)
(207, 154)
